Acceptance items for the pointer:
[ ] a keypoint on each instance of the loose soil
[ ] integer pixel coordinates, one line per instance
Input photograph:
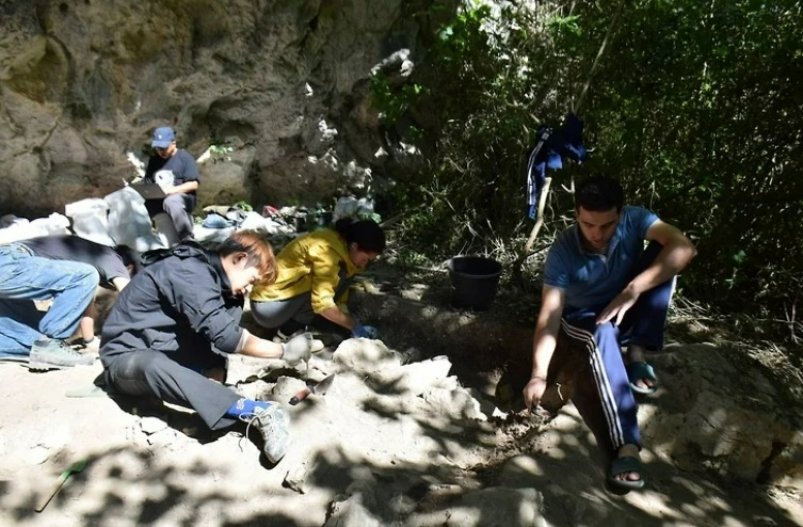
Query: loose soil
(385, 446)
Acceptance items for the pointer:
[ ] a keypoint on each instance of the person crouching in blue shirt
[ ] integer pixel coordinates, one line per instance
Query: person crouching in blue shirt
(602, 289)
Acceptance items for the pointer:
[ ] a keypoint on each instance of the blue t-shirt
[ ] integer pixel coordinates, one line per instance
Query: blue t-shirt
(591, 280)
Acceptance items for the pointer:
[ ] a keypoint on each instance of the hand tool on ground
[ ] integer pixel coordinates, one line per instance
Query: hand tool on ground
(319, 388)
(75, 468)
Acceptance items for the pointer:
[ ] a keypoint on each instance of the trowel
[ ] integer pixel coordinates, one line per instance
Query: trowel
(75, 468)
(319, 388)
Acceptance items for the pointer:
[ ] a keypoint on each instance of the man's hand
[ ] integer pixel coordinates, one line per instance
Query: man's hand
(533, 392)
(297, 349)
(368, 332)
(618, 306)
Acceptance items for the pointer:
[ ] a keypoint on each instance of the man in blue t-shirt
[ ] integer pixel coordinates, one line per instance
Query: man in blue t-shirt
(603, 289)
(175, 171)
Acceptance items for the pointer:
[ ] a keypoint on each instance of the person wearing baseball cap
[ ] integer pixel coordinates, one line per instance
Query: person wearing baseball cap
(174, 169)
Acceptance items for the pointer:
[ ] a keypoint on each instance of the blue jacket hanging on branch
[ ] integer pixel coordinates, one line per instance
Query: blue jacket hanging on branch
(548, 153)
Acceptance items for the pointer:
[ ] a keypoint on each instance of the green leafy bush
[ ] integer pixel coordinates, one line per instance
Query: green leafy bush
(695, 107)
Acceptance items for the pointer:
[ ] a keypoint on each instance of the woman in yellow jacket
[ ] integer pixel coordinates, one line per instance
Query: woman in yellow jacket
(314, 272)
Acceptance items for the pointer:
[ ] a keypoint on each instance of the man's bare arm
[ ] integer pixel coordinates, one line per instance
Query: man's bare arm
(544, 343)
(339, 317)
(254, 346)
(675, 255)
(120, 282)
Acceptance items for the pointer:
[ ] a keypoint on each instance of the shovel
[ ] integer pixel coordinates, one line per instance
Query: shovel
(319, 388)
(75, 468)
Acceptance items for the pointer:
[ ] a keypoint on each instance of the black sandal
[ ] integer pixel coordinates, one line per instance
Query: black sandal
(622, 465)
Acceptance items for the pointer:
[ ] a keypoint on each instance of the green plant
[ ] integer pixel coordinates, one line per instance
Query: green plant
(244, 206)
(220, 153)
(475, 116)
(693, 107)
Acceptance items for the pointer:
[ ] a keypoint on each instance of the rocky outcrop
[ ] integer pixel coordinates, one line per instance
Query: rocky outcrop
(723, 411)
(284, 84)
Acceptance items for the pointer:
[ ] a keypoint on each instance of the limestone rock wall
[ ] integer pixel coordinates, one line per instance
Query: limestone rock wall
(83, 82)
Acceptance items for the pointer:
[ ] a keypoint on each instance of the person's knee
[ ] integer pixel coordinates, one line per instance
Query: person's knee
(128, 373)
(606, 330)
(153, 365)
(134, 364)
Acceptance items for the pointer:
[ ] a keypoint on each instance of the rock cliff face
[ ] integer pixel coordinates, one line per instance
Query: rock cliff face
(285, 84)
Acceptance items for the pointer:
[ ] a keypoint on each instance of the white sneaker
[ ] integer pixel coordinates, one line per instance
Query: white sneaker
(274, 425)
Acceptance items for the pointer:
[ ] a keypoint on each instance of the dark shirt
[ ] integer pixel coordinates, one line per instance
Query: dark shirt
(105, 259)
(176, 303)
(181, 164)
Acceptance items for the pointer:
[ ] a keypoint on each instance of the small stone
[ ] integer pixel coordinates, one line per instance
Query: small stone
(38, 455)
(151, 425)
(296, 478)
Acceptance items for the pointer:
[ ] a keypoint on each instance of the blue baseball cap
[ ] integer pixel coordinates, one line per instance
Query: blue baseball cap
(162, 137)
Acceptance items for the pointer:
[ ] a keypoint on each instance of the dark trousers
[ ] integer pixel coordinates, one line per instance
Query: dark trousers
(179, 208)
(174, 378)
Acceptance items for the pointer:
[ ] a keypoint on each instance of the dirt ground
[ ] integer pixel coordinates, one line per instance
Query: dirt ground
(409, 434)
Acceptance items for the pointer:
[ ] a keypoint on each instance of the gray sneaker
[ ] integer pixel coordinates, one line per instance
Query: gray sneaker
(274, 425)
(52, 354)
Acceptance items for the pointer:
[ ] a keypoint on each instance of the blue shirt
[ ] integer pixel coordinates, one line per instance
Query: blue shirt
(591, 280)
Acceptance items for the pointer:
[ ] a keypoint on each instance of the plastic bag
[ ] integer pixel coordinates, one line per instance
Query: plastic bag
(359, 209)
(90, 220)
(22, 229)
(129, 222)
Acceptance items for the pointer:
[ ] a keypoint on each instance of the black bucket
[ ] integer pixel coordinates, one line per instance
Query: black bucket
(474, 279)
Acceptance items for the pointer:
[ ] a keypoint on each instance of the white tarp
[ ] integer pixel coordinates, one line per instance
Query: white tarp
(129, 223)
(90, 220)
(15, 229)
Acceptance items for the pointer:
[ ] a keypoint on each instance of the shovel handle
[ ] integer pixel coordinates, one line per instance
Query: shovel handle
(56, 488)
(300, 396)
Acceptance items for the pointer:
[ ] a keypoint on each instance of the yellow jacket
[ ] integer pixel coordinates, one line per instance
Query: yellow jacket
(309, 263)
